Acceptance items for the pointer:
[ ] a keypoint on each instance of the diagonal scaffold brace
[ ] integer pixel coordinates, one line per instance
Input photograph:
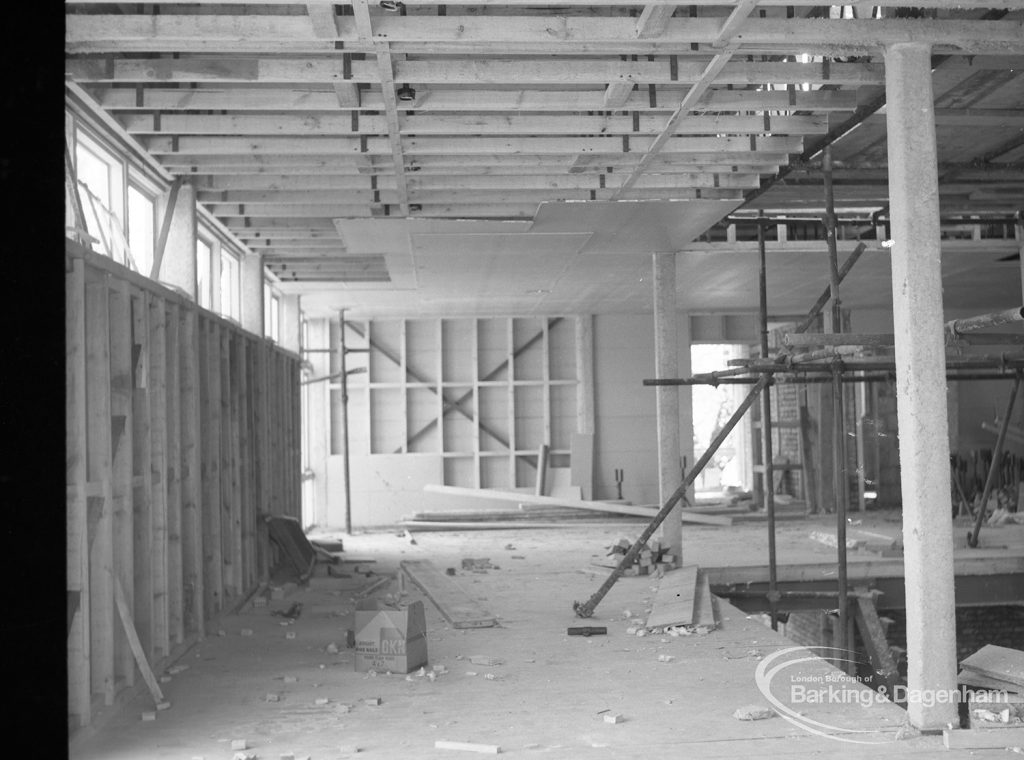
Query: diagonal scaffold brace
(587, 608)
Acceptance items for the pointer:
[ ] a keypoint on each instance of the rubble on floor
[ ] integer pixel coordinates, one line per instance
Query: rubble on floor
(652, 557)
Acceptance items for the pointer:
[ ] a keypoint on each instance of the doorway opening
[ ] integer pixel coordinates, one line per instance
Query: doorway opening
(731, 469)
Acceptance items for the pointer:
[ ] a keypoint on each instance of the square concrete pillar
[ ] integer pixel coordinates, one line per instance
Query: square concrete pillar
(666, 360)
(291, 323)
(251, 289)
(921, 385)
(178, 266)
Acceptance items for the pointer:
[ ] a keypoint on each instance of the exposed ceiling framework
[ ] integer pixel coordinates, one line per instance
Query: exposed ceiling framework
(312, 129)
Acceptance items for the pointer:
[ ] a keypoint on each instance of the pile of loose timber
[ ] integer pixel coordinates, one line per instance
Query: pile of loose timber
(526, 516)
(651, 557)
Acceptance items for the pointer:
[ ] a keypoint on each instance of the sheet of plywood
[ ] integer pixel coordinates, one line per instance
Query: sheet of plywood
(998, 662)
(597, 506)
(703, 606)
(674, 601)
(983, 738)
(457, 607)
(970, 678)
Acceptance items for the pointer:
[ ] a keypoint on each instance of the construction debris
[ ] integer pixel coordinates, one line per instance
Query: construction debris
(652, 556)
(481, 565)
(613, 718)
(292, 613)
(753, 712)
(484, 749)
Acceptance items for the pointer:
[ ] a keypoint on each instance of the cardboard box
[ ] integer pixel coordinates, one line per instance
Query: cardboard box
(390, 638)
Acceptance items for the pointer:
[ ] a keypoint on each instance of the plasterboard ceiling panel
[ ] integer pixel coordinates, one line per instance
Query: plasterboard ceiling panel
(392, 235)
(497, 243)
(460, 274)
(715, 280)
(632, 226)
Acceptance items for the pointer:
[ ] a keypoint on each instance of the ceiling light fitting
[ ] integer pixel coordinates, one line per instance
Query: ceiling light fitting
(392, 5)
(406, 93)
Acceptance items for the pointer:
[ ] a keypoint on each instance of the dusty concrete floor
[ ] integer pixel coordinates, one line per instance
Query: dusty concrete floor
(546, 699)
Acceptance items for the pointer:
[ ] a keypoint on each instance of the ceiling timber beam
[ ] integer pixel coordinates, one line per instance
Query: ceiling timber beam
(663, 99)
(564, 71)
(827, 36)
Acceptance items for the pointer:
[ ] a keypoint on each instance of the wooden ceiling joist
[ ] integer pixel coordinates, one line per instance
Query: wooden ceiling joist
(488, 146)
(559, 34)
(437, 99)
(530, 71)
(338, 125)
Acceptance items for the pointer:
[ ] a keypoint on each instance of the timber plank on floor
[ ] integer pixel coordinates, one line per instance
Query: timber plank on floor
(457, 607)
(703, 608)
(997, 662)
(674, 601)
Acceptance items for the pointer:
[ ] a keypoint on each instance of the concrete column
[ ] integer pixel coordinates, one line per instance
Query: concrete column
(921, 383)
(178, 267)
(666, 359)
(251, 291)
(291, 323)
(584, 325)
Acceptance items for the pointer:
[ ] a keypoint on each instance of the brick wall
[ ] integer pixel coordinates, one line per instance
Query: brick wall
(975, 627)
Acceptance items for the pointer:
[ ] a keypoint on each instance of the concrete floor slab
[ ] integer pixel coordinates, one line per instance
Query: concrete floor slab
(546, 699)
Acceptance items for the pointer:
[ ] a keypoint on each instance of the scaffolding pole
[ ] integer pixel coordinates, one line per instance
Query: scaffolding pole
(767, 455)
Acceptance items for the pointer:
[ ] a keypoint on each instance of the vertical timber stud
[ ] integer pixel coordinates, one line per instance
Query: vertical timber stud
(191, 471)
(175, 595)
(666, 359)
(121, 445)
(157, 394)
(79, 697)
(99, 509)
(921, 384)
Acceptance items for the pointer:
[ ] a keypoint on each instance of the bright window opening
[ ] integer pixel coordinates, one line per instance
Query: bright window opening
(204, 258)
(275, 318)
(141, 227)
(101, 189)
(712, 407)
(230, 305)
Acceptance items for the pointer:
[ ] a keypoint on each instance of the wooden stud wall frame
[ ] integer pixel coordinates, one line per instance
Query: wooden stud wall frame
(481, 393)
(182, 429)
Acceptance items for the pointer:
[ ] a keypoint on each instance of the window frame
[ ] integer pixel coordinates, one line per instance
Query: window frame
(233, 309)
(116, 192)
(205, 236)
(145, 188)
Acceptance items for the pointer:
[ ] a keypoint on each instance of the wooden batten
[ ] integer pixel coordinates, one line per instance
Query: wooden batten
(79, 697)
(175, 577)
(194, 612)
(157, 393)
(142, 520)
(99, 527)
(244, 430)
(226, 511)
(121, 476)
(212, 567)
